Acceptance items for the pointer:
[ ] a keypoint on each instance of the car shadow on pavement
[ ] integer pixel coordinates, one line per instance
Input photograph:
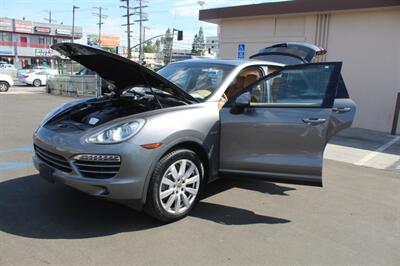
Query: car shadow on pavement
(30, 207)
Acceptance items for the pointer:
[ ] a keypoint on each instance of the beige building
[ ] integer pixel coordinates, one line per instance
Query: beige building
(364, 34)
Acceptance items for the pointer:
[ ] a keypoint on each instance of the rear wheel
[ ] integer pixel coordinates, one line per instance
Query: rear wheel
(4, 86)
(175, 185)
(37, 83)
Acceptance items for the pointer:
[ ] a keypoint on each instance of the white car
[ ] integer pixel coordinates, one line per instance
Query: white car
(5, 82)
(7, 66)
(37, 77)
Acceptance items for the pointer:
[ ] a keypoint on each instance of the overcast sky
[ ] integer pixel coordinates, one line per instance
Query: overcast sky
(182, 14)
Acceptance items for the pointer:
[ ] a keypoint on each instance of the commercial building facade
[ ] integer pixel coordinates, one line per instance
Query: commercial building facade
(24, 43)
(364, 34)
(212, 44)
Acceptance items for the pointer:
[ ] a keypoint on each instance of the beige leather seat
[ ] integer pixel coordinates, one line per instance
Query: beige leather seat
(249, 79)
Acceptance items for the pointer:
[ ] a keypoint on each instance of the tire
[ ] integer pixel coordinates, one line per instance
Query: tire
(4, 86)
(164, 208)
(37, 83)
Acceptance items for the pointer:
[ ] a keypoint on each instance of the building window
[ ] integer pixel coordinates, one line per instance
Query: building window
(42, 40)
(5, 37)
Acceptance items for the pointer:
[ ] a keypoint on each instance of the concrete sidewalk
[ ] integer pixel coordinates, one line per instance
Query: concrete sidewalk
(365, 148)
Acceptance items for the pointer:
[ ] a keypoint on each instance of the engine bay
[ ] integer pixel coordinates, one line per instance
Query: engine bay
(97, 111)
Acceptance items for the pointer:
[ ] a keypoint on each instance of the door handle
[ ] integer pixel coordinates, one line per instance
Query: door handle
(314, 121)
(341, 109)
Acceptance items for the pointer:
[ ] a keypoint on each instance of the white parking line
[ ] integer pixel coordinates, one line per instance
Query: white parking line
(371, 155)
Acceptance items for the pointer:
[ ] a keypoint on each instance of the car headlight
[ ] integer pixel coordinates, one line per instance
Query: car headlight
(117, 133)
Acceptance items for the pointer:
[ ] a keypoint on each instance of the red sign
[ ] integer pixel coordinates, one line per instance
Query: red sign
(42, 29)
(23, 26)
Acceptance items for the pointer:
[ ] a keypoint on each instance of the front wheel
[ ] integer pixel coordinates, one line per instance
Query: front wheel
(175, 185)
(4, 86)
(37, 83)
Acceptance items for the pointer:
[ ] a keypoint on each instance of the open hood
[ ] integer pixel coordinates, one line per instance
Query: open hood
(290, 53)
(120, 71)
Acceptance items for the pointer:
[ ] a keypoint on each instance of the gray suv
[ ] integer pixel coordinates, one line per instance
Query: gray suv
(158, 138)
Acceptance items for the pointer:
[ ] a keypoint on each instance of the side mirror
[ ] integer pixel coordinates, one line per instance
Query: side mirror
(243, 100)
(241, 103)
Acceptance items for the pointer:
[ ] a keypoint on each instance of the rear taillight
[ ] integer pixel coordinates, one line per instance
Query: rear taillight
(25, 76)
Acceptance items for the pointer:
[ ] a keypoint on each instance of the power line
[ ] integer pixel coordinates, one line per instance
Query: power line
(142, 17)
(49, 19)
(128, 25)
(101, 17)
(73, 22)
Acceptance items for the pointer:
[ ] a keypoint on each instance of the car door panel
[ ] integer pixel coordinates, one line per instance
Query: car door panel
(343, 113)
(282, 136)
(280, 151)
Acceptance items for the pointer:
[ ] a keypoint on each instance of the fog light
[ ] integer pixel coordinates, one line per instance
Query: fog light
(98, 157)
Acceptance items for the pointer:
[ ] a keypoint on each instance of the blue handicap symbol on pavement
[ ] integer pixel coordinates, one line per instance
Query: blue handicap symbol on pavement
(13, 165)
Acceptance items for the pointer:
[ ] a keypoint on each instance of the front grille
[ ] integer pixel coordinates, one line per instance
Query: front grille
(54, 160)
(101, 169)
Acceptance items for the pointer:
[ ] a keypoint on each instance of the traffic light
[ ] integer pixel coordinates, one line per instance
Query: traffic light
(180, 35)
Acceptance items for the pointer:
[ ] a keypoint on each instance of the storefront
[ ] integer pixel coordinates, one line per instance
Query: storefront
(27, 43)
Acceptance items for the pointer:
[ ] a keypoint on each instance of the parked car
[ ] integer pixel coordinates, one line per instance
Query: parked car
(8, 69)
(106, 87)
(37, 77)
(30, 68)
(157, 141)
(5, 82)
(7, 66)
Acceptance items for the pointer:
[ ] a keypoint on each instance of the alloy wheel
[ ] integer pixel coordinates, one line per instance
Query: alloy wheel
(3, 87)
(179, 186)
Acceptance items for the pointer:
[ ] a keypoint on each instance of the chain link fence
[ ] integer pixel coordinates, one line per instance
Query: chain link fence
(74, 85)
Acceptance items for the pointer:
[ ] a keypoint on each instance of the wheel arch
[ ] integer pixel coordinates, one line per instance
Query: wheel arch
(6, 82)
(190, 144)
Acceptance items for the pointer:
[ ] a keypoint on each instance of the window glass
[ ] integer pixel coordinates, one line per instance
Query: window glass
(200, 80)
(5, 37)
(302, 86)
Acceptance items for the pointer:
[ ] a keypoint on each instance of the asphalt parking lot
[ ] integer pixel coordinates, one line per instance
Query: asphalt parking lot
(354, 219)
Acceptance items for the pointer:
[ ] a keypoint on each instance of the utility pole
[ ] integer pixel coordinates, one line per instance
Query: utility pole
(142, 17)
(128, 25)
(73, 22)
(49, 19)
(101, 17)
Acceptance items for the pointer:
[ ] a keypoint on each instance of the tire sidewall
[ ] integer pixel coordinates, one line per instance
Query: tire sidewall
(157, 176)
(38, 82)
(6, 86)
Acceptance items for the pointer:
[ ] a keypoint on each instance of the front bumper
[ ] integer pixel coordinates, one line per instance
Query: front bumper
(127, 186)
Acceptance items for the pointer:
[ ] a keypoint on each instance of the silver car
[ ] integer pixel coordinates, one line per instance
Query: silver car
(159, 138)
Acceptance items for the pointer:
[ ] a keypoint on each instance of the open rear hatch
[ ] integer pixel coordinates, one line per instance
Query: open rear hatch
(290, 53)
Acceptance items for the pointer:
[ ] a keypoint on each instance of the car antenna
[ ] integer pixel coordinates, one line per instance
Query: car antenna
(151, 89)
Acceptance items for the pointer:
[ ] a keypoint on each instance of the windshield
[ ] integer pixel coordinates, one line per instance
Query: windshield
(200, 80)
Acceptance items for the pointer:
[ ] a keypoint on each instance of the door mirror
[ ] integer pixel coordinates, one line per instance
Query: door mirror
(241, 103)
(243, 100)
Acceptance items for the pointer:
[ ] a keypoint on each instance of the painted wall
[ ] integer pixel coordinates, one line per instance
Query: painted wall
(367, 41)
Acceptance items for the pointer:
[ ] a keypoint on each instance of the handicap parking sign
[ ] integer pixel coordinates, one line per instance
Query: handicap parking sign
(241, 52)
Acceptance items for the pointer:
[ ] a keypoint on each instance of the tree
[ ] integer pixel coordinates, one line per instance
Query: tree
(195, 45)
(157, 46)
(198, 45)
(202, 43)
(148, 48)
(167, 43)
